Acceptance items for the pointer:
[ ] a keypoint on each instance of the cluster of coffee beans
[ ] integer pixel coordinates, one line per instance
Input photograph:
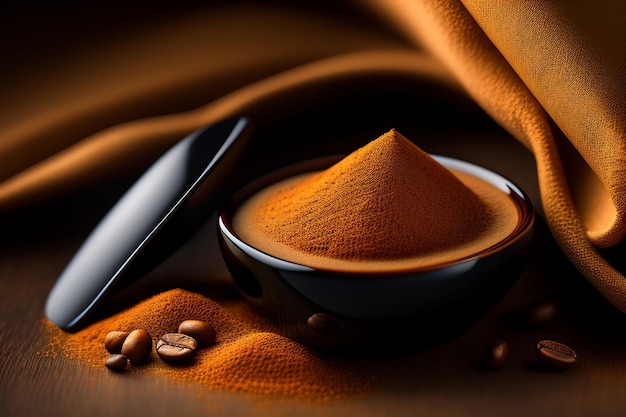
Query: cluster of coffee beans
(135, 347)
(125, 347)
(550, 353)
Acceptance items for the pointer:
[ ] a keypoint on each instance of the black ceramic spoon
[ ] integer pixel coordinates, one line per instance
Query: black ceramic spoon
(162, 209)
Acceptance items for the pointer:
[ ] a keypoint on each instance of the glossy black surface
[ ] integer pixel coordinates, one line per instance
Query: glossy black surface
(163, 209)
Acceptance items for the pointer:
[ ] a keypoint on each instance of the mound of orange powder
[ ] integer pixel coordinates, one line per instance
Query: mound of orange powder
(248, 356)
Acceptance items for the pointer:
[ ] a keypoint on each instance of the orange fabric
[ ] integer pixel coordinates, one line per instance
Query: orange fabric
(551, 73)
(531, 63)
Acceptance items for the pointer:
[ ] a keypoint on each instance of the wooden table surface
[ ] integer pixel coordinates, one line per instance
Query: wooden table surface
(37, 243)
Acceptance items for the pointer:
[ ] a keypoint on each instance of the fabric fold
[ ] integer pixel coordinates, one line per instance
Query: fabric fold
(551, 74)
(530, 66)
(571, 58)
(126, 148)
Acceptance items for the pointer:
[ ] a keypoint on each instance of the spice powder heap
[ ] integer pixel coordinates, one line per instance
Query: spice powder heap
(387, 205)
(248, 357)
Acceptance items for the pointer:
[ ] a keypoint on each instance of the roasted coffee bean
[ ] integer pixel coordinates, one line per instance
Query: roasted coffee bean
(540, 313)
(114, 340)
(117, 362)
(555, 355)
(137, 346)
(496, 354)
(201, 331)
(174, 347)
(323, 323)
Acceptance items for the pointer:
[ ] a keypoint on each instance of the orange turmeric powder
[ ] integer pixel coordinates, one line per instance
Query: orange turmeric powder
(388, 205)
(249, 356)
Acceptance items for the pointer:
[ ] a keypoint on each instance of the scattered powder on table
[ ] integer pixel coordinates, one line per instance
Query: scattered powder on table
(248, 357)
(388, 201)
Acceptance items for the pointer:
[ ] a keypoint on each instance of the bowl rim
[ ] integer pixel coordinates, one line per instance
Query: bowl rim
(525, 224)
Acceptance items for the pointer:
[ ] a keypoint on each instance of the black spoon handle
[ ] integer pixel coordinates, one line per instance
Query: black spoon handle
(162, 209)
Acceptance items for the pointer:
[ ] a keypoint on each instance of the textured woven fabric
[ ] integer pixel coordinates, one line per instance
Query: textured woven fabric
(551, 73)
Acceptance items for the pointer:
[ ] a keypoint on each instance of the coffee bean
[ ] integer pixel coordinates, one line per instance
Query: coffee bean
(176, 347)
(137, 346)
(540, 313)
(117, 362)
(555, 355)
(202, 331)
(496, 354)
(114, 340)
(323, 323)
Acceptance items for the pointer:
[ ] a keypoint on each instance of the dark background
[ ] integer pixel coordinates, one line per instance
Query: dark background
(38, 241)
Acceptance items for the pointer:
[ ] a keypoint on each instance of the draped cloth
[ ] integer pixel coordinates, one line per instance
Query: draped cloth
(551, 73)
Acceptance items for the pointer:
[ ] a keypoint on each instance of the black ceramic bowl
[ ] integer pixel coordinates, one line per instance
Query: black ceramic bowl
(348, 312)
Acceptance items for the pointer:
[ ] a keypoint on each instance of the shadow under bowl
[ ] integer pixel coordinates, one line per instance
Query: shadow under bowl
(370, 313)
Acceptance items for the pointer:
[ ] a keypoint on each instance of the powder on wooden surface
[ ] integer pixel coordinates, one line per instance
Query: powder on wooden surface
(248, 356)
(388, 201)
